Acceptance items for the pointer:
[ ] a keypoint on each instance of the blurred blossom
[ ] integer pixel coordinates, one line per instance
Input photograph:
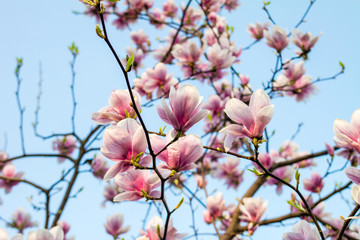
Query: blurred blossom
(230, 172)
(305, 41)
(277, 39)
(170, 9)
(99, 166)
(65, 146)
(315, 184)
(21, 220)
(110, 191)
(257, 30)
(330, 149)
(9, 171)
(114, 225)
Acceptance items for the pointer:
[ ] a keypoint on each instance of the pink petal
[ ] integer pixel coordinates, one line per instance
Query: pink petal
(240, 113)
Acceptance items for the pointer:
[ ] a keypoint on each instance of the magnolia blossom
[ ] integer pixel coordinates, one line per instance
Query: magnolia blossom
(257, 30)
(277, 39)
(184, 109)
(180, 155)
(293, 71)
(266, 160)
(231, 4)
(156, 223)
(114, 225)
(220, 58)
(21, 220)
(135, 183)
(55, 233)
(122, 144)
(120, 107)
(250, 121)
(330, 149)
(305, 41)
(9, 171)
(318, 210)
(99, 166)
(156, 79)
(65, 227)
(65, 146)
(252, 210)
(110, 191)
(302, 231)
(314, 184)
(286, 173)
(230, 172)
(353, 174)
(192, 15)
(347, 135)
(170, 9)
(215, 207)
(139, 38)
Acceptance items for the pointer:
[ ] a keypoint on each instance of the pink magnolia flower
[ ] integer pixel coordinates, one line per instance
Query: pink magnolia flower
(220, 58)
(180, 155)
(65, 146)
(347, 135)
(120, 107)
(215, 207)
(230, 172)
(123, 143)
(266, 160)
(330, 149)
(110, 191)
(157, 18)
(302, 231)
(231, 4)
(64, 226)
(288, 149)
(277, 39)
(21, 220)
(192, 15)
(188, 55)
(305, 41)
(201, 182)
(139, 56)
(294, 71)
(9, 171)
(250, 120)
(99, 166)
(257, 30)
(114, 225)
(244, 79)
(135, 183)
(156, 223)
(140, 39)
(212, 5)
(318, 210)
(315, 184)
(158, 79)
(252, 210)
(170, 9)
(184, 109)
(353, 174)
(55, 233)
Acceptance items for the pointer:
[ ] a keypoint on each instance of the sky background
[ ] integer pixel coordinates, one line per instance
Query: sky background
(40, 32)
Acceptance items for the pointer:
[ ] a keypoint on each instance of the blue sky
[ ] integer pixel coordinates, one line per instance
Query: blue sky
(41, 31)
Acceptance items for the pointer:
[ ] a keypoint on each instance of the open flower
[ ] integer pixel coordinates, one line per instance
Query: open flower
(65, 146)
(21, 220)
(252, 210)
(180, 155)
(119, 108)
(155, 225)
(184, 109)
(114, 225)
(123, 143)
(257, 30)
(347, 135)
(250, 120)
(314, 184)
(305, 41)
(9, 171)
(302, 231)
(215, 207)
(136, 185)
(277, 39)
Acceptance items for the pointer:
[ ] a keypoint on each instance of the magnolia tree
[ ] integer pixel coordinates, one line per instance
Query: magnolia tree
(202, 149)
